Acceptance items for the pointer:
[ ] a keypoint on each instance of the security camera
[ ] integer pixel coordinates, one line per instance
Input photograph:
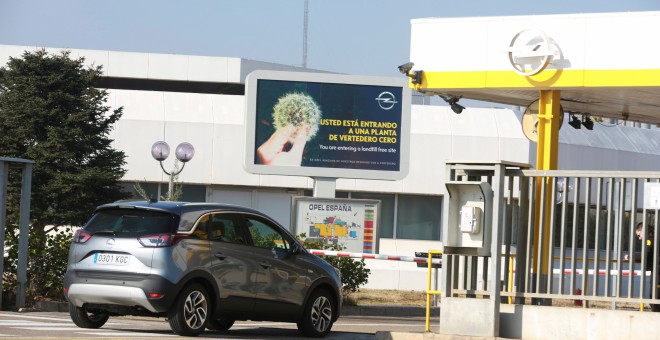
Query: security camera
(406, 68)
(457, 108)
(453, 103)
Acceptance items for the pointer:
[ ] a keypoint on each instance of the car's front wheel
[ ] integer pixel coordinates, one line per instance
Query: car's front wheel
(189, 314)
(317, 321)
(87, 319)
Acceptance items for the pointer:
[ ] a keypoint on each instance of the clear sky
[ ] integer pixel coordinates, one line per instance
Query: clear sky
(366, 37)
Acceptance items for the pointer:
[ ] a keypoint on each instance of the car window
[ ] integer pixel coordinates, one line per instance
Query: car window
(223, 229)
(130, 222)
(265, 236)
(201, 229)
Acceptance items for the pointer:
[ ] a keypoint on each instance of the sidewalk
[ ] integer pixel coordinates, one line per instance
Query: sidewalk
(428, 336)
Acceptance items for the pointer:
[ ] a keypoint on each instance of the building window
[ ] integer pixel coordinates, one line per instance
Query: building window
(189, 192)
(386, 220)
(192, 193)
(338, 194)
(419, 217)
(151, 189)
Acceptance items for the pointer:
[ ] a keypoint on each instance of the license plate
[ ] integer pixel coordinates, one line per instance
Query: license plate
(115, 259)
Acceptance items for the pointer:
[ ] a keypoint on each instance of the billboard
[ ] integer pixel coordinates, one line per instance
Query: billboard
(352, 223)
(327, 125)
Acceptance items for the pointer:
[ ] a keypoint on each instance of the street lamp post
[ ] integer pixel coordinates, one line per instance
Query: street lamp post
(184, 153)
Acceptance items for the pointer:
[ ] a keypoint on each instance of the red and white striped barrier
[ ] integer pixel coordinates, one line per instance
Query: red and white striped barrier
(613, 272)
(374, 256)
(439, 261)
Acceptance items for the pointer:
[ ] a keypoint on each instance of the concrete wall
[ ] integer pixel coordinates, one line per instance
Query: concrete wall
(546, 322)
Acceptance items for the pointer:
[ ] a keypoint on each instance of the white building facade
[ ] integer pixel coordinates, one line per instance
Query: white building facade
(196, 99)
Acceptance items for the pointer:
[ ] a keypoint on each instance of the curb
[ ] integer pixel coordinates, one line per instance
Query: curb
(383, 335)
(46, 306)
(412, 311)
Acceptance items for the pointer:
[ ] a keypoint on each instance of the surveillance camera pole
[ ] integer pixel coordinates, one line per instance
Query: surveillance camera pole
(184, 153)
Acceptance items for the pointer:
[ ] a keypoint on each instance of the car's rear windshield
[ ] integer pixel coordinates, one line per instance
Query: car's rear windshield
(131, 222)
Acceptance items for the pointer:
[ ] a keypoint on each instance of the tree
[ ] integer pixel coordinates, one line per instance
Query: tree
(51, 112)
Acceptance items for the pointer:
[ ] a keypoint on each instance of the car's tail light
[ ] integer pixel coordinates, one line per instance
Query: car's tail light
(81, 236)
(160, 240)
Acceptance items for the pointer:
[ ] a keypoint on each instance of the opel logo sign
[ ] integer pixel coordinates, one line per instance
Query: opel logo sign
(530, 52)
(110, 243)
(386, 100)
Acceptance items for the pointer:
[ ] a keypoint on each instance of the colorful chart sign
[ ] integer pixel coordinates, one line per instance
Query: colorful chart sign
(348, 222)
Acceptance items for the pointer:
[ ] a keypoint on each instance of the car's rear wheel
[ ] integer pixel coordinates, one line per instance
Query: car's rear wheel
(189, 314)
(317, 321)
(220, 324)
(87, 319)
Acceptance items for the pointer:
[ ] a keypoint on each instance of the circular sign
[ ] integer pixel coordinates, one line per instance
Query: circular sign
(530, 121)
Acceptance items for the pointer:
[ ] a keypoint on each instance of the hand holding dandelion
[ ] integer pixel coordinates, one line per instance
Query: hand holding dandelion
(284, 147)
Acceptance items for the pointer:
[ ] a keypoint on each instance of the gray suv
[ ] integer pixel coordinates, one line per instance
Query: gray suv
(200, 265)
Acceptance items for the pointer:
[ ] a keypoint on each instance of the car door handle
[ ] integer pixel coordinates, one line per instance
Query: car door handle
(264, 265)
(220, 256)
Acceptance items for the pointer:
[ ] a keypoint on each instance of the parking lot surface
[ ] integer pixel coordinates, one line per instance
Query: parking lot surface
(58, 325)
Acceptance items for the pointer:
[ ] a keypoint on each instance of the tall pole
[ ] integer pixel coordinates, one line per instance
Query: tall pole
(170, 190)
(4, 178)
(24, 231)
(305, 23)
(24, 222)
(546, 159)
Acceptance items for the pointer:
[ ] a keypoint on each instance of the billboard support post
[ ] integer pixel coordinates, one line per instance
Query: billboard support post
(325, 187)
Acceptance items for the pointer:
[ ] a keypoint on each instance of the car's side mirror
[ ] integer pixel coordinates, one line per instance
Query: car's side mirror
(296, 248)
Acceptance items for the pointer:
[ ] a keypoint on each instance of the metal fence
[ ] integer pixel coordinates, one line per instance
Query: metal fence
(575, 244)
(562, 235)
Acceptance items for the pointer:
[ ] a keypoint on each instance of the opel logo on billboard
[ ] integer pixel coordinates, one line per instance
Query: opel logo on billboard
(530, 52)
(386, 100)
(110, 243)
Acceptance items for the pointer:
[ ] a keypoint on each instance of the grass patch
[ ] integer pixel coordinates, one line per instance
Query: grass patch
(385, 297)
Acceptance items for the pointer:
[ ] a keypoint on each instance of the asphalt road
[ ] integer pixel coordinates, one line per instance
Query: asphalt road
(57, 325)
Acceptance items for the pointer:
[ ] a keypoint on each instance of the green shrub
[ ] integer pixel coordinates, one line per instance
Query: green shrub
(353, 271)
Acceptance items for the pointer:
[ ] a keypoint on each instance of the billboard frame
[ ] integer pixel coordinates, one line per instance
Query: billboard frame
(251, 94)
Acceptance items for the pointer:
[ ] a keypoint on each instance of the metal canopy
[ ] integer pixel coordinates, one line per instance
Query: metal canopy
(601, 63)
(626, 103)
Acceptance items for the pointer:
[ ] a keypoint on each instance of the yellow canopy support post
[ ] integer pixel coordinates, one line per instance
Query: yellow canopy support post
(546, 159)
